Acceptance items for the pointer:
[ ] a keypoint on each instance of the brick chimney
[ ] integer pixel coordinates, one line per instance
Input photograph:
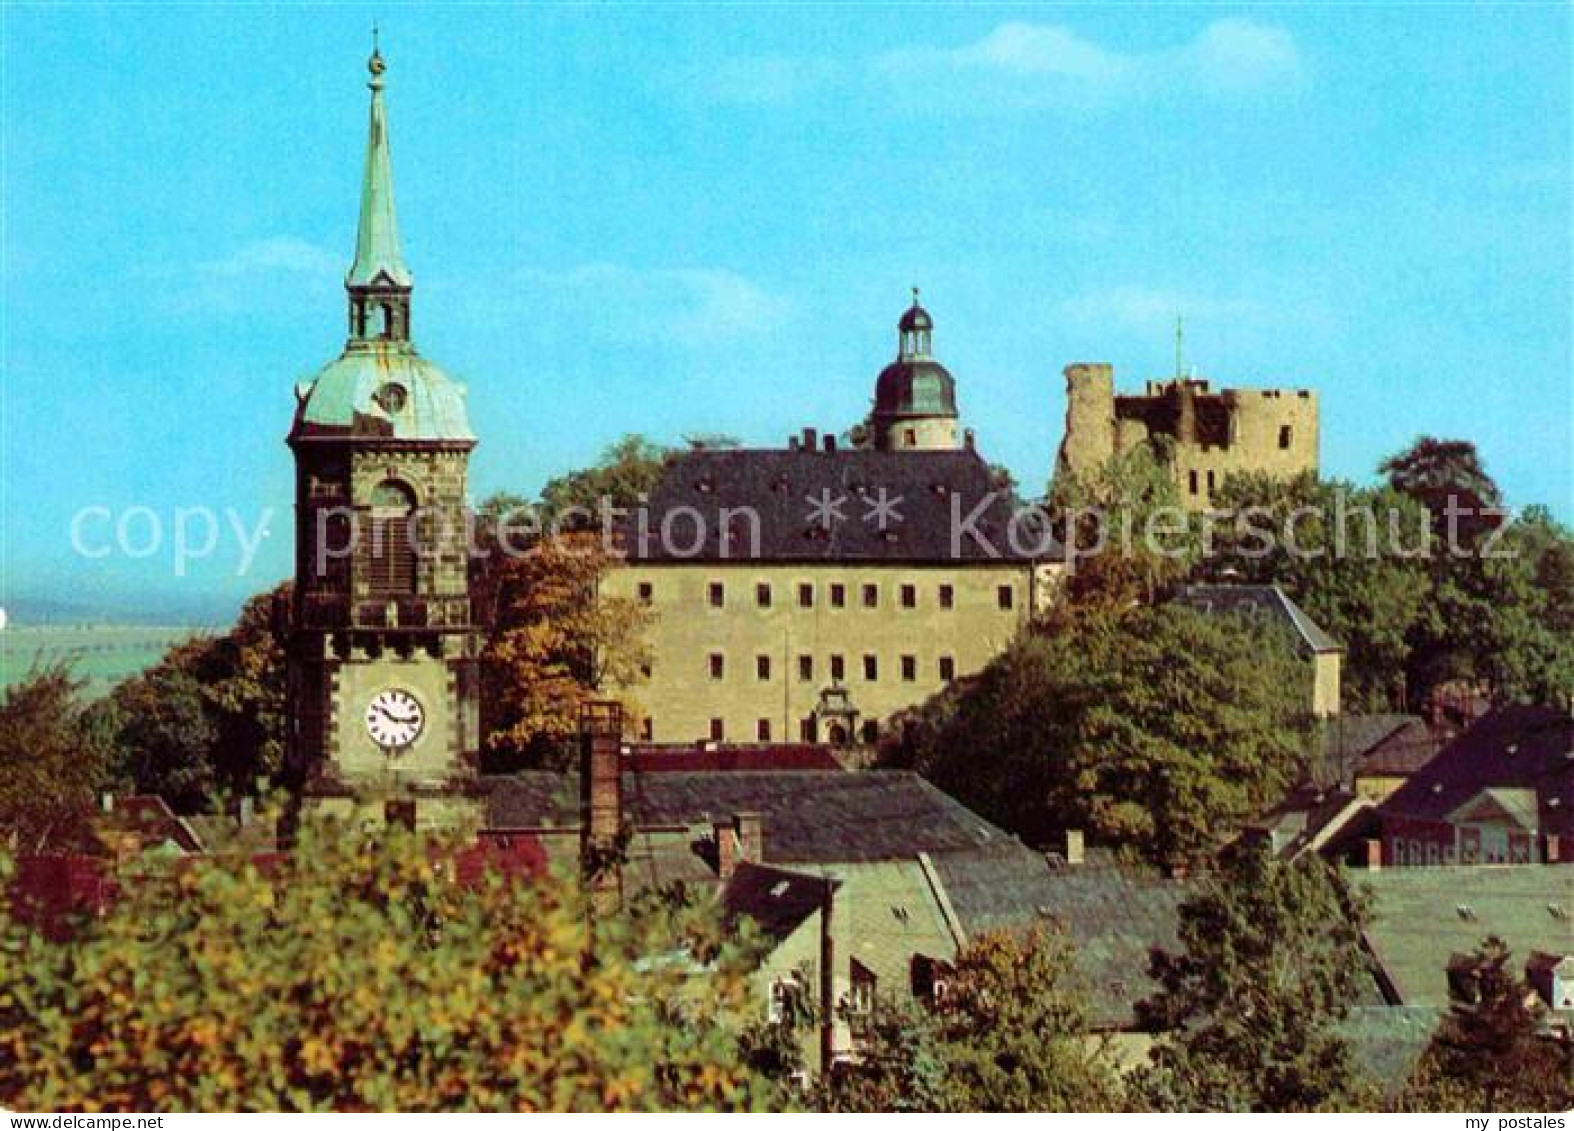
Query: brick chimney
(601, 801)
(1372, 860)
(727, 854)
(751, 837)
(738, 838)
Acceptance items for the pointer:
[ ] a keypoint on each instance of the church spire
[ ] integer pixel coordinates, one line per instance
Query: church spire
(379, 282)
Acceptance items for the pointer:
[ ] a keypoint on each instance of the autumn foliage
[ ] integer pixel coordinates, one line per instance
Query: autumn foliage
(359, 974)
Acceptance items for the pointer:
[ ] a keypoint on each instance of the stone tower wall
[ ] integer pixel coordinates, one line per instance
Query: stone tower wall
(1089, 439)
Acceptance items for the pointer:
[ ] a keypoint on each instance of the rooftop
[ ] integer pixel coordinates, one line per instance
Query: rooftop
(791, 491)
(1424, 916)
(1515, 748)
(1268, 601)
(808, 816)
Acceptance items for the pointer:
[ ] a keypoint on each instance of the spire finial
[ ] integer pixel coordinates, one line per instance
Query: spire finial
(375, 64)
(379, 264)
(1180, 347)
(915, 296)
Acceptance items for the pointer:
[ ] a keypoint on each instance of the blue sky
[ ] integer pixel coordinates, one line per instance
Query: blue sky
(705, 218)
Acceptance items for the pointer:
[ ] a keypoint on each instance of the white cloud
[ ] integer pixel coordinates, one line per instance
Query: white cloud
(1038, 50)
(1149, 312)
(269, 276)
(279, 255)
(1028, 64)
(691, 306)
(1239, 54)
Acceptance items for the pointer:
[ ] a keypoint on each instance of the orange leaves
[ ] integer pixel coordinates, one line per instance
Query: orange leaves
(359, 977)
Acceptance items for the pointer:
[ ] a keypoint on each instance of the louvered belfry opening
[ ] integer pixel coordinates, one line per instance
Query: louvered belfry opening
(390, 550)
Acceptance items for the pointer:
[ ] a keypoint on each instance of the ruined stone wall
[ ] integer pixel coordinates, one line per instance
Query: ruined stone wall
(1213, 435)
(1271, 431)
(1089, 439)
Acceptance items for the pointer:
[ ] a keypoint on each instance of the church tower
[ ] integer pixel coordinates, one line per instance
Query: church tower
(383, 670)
(914, 396)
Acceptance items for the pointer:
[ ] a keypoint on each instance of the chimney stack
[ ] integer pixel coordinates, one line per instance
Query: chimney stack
(830, 441)
(811, 439)
(1373, 860)
(601, 801)
(751, 837)
(726, 849)
(1073, 848)
(738, 838)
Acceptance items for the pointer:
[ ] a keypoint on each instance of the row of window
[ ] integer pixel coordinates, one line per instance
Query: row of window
(945, 668)
(1430, 852)
(836, 596)
(809, 730)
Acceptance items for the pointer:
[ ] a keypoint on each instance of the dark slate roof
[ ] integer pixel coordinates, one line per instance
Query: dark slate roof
(1388, 1040)
(1403, 752)
(1349, 738)
(1311, 814)
(774, 898)
(781, 486)
(808, 816)
(1114, 916)
(1423, 916)
(725, 758)
(1261, 600)
(1518, 747)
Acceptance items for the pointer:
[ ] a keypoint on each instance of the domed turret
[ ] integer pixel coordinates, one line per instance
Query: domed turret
(914, 396)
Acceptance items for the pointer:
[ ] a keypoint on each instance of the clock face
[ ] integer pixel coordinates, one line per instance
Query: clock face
(394, 719)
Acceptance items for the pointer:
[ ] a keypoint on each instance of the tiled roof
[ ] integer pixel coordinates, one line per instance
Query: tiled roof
(1530, 748)
(1423, 916)
(1402, 752)
(1114, 916)
(1388, 1040)
(925, 489)
(652, 758)
(1261, 600)
(808, 816)
(1314, 819)
(776, 899)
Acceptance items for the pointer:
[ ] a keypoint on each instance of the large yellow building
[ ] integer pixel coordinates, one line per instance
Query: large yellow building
(809, 593)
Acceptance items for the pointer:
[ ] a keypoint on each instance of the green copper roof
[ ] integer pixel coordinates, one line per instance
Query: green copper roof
(377, 255)
(382, 390)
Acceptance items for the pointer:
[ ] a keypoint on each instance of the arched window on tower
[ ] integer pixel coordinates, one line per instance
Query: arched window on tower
(390, 550)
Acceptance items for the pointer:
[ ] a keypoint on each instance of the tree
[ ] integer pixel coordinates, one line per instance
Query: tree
(1374, 567)
(1445, 475)
(51, 765)
(206, 721)
(1270, 962)
(1492, 1052)
(166, 734)
(1124, 521)
(359, 974)
(626, 472)
(1014, 1032)
(1011, 1033)
(556, 644)
(1158, 729)
(1354, 558)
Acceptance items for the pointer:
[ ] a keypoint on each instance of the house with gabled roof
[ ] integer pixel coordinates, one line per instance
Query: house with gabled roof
(1502, 792)
(1271, 604)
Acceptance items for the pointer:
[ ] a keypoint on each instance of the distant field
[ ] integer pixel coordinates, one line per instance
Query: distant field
(101, 655)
